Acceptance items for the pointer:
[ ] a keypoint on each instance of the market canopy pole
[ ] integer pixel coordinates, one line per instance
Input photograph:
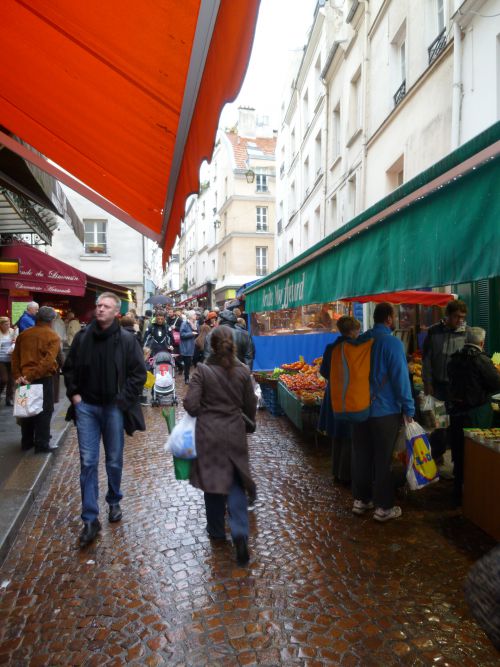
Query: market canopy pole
(432, 231)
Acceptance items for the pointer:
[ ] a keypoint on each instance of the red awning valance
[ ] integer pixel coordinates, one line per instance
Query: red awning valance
(39, 272)
(407, 296)
(124, 95)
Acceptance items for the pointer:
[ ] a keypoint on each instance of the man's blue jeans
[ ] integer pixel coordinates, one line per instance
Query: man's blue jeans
(92, 421)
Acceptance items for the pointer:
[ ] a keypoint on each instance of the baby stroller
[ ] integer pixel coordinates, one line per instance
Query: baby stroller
(163, 368)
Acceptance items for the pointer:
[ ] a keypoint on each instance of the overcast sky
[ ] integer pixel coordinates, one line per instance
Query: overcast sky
(282, 27)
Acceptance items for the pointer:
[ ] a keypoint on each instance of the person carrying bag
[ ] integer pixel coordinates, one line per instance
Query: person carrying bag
(221, 469)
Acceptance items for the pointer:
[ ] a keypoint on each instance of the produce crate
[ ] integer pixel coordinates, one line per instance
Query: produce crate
(305, 417)
(270, 397)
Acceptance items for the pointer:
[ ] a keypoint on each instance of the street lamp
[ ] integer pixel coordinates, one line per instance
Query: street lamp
(250, 176)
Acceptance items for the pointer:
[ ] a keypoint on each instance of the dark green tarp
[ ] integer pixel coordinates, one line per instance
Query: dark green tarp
(452, 235)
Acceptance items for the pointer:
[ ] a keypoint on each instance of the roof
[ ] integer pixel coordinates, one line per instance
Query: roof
(243, 148)
(124, 96)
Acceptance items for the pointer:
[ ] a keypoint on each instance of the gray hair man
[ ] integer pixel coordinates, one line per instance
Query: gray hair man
(28, 318)
(473, 378)
(104, 374)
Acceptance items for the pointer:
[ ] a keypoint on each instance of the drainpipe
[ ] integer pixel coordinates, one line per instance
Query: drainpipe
(456, 102)
(366, 43)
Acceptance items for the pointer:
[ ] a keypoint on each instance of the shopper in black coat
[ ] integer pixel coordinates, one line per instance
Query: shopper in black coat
(473, 378)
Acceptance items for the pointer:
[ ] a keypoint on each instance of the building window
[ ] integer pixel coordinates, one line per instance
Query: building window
(336, 131)
(261, 218)
(351, 197)
(305, 111)
(261, 261)
(317, 78)
(440, 15)
(398, 63)
(95, 236)
(290, 249)
(402, 61)
(306, 177)
(292, 145)
(261, 181)
(395, 174)
(333, 214)
(317, 153)
(305, 236)
(355, 106)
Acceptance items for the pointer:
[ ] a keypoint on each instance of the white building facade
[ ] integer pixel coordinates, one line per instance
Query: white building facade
(111, 251)
(385, 89)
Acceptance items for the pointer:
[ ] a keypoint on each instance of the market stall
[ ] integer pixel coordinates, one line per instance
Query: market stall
(396, 244)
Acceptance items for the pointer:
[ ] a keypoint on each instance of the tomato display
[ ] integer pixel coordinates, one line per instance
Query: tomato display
(306, 383)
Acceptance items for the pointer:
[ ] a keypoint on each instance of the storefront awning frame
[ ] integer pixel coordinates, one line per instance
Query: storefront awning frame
(431, 210)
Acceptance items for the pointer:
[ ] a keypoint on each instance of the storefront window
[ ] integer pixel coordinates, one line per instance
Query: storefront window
(311, 319)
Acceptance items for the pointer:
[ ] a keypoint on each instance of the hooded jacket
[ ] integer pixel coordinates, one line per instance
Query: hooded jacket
(242, 339)
(472, 377)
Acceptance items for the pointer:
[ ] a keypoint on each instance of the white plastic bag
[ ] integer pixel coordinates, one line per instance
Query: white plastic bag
(28, 400)
(421, 468)
(258, 394)
(427, 403)
(181, 442)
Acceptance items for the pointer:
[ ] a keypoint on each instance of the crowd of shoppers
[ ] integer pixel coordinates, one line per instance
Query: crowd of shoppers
(105, 372)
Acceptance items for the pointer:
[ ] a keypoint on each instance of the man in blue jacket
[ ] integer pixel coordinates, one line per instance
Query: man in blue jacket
(28, 318)
(374, 439)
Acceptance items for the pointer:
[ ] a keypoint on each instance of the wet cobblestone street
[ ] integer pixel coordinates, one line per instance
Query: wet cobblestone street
(323, 587)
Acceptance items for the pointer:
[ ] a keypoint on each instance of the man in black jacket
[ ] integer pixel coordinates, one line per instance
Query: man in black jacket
(104, 374)
(242, 339)
(442, 341)
(473, 379)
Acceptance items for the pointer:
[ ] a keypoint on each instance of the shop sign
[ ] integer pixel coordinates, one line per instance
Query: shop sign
(281, 296)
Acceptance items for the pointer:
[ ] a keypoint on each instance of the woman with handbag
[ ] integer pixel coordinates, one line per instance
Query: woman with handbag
(222, 398)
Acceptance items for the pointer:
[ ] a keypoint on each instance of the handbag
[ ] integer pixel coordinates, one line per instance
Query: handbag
(28, 400)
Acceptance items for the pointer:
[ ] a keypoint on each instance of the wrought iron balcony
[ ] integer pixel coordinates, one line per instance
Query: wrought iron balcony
(437, 46)
(400, 93)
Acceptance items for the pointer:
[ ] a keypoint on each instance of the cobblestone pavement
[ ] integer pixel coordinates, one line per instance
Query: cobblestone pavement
(323, 587)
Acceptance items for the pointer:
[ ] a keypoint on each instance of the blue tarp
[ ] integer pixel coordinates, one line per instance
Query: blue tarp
(272, 351)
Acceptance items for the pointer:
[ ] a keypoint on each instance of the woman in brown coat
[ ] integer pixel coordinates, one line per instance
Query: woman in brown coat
(219, 392)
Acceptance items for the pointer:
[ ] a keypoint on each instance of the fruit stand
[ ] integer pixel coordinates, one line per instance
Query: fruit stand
(295, 389)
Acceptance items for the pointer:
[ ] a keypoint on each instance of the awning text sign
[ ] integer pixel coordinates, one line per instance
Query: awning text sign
(39, 272)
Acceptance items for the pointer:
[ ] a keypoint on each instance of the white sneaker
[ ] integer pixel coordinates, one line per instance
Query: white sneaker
(386, 515)
(359, 507)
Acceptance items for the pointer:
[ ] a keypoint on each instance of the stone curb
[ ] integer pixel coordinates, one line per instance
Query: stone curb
(20, 490)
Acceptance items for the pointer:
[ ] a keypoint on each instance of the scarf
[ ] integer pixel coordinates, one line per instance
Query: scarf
(99, 377)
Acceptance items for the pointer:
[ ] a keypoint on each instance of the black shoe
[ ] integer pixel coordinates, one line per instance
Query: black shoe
(9, 402)
(26, 446)
(219, 538)
(115, 513)
(242, 556)
(45, 449)
(186, 380)
(89, 532)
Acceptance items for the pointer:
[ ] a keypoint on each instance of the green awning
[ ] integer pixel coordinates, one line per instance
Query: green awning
(440, 228)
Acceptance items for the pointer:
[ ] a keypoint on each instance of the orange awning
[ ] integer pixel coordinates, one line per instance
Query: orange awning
(123, 95)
